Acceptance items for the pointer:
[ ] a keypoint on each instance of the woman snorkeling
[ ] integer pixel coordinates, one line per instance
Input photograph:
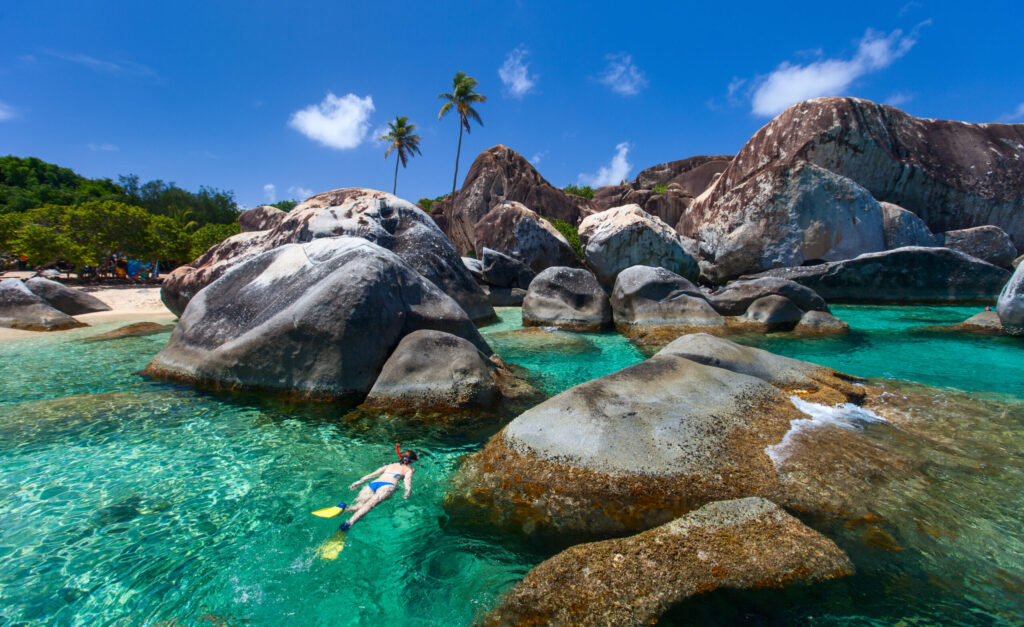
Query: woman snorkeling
(383, 487)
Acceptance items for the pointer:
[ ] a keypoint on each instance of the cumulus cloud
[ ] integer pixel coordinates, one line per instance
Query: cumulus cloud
(622, 76)
(610, 174)
(300, 193)
(6, 111)
(339, 123)
(791, 83)
(103, 148)
(514, 73)
(270, 193)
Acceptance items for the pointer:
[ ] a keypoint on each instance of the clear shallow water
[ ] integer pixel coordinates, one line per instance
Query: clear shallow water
(128, 501)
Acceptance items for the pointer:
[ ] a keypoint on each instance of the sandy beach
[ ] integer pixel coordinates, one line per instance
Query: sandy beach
(127, 303)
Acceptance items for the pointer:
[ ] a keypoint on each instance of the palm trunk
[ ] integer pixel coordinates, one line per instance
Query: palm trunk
(457, 153)
(394, 188)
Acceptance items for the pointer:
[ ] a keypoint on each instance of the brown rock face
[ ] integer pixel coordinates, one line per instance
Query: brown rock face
(951, 174)
(500, 173)
(743, 543)
(515, 230)
(261, 218)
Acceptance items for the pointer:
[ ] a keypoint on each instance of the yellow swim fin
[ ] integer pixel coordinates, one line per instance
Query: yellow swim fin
(330, 512)
(330, 549)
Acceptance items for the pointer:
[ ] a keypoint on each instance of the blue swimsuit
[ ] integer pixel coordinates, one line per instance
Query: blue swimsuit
(379, 484)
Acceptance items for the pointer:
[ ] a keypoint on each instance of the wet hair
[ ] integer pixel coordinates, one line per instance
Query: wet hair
(409, 456)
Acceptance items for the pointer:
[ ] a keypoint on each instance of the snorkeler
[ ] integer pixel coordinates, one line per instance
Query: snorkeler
(378, 491)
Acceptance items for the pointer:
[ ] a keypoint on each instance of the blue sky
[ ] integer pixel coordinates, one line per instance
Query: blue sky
(278, 100)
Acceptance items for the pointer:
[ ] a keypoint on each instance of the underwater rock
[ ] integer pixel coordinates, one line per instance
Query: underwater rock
(500, 270)
(136, 329)
(1010, 306)
(908, 274)
(375, 216)
(988, 243)
(22, 309)
(567, 298)
(513, 229)
(618, 238)
(313, 320)
(65, 299)
(748, 543)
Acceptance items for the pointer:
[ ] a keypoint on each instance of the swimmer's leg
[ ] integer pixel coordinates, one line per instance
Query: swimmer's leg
(382, 494)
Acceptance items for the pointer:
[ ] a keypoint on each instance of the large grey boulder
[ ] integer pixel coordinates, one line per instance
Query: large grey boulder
(988, 243)
(1010, 306)
(786, 217)
(375, 216)
(621, 237)
(504, 296)
(644, 445)
(568, 298)
(312, 320)
(736, 297)
(774, 313)
(21, 309)
(650, 297)
(438, 370)
(65, 299)
(904, 228)
(820, 323)
(951, 174)
(748, 543)
(908, 274)
(263, 218)
(500, 270)
(512, 228)
(476, 270)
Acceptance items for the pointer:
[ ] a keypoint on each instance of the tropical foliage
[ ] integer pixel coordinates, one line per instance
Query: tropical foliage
(579, 190)
(404, 142)
(427, 202)
(570, 233)
(660, 188)
(461, 100)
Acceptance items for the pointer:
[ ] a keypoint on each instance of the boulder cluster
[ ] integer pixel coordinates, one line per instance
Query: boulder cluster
(43, 305)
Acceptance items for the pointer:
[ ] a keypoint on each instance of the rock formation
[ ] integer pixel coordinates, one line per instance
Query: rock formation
(904, 228)
(618, 238)
(263, 218)
(909, 274)
(1011, 303)
(567, 298)
(951, 174)
(646, 444)
(500, 270)
(646, 298)
(136, 329)
(988, 243)
(511, 228)
(746, 543)
(65, 299)
(375, 216)
(500, 173)
(736, 297)
(21, 309)
(313, 320)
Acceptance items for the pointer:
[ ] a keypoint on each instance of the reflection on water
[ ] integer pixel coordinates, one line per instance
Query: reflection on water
(129, 501)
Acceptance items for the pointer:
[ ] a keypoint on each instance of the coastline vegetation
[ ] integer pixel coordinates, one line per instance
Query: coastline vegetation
(570, 233)
(585, 191)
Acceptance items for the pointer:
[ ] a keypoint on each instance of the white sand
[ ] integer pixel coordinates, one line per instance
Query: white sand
(127, 303)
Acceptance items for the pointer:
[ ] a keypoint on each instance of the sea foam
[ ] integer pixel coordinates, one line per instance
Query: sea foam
(845, 416)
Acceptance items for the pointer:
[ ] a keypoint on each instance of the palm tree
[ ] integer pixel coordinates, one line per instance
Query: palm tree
(403, 142)
(461, 99)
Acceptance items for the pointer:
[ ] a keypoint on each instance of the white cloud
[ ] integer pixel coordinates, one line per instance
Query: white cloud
(270, 192)
(336, 122)
(379, 132)
(103, 148)
(300, 193)
(791, 83)
(613, 173)
(515, 74)
(6, 111)
(899, 98)
(1018, 114)
(535, 159)
(622, 75)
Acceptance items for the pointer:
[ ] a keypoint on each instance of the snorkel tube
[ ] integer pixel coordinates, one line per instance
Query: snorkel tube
(407, 457)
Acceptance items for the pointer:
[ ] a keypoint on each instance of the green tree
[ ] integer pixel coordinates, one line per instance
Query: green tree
(461, 99)
(210, 235)
(403, 141)
(284, 205)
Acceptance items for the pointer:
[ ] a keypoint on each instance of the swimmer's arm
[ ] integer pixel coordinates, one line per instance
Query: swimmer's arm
(408, 483)
(367, 477)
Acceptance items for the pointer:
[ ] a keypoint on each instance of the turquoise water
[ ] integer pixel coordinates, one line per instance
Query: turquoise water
(128, 501)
